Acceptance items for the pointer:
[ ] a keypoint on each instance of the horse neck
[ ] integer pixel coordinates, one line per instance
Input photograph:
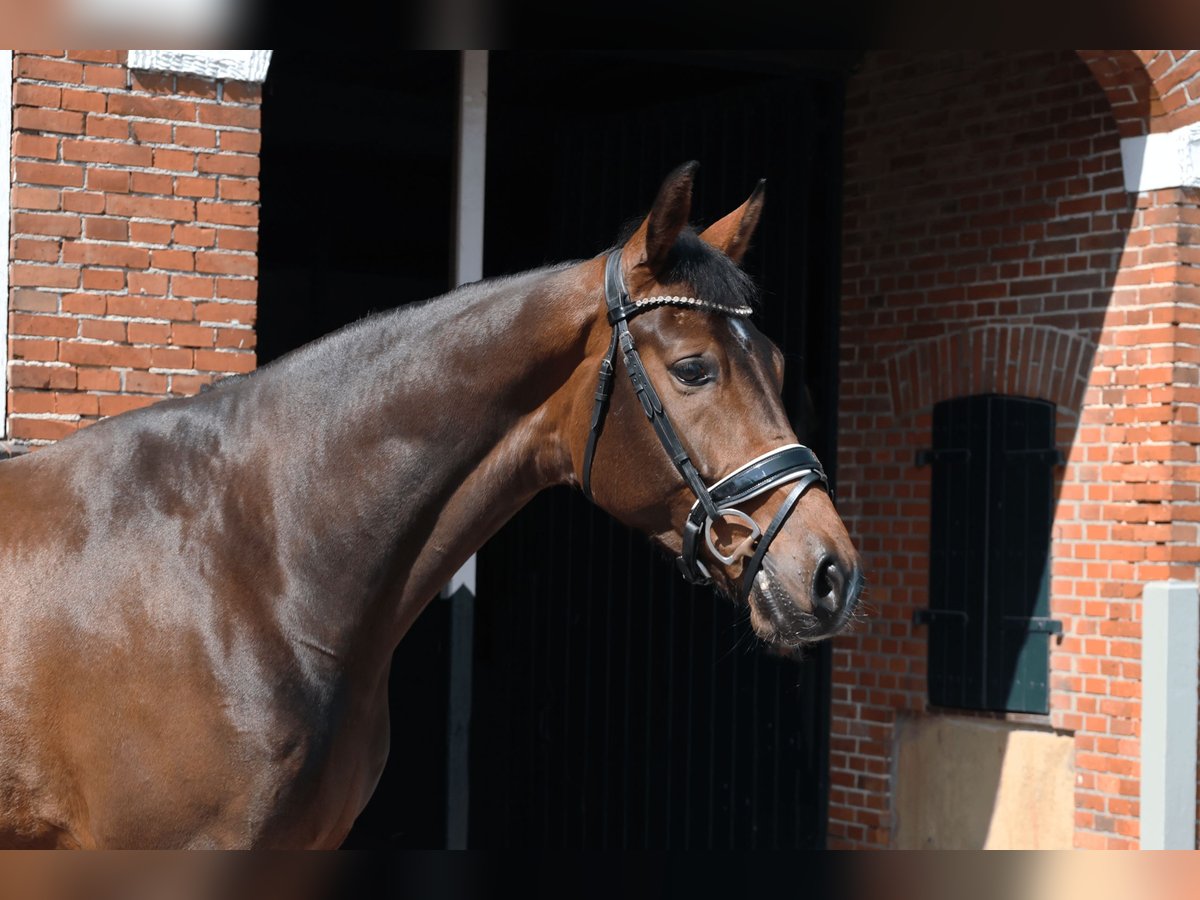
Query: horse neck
(436, 424)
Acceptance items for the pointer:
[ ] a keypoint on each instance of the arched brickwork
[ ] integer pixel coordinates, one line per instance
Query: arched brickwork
(1127, 84)
(1028, 360)
(1176, 76)
(1150, 91)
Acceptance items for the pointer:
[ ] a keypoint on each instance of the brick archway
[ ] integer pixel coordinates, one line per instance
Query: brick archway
(1150, 91)
(1027, 360)
(1132, 93)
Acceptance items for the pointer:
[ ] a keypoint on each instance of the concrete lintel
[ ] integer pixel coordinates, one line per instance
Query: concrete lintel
(234, 65)
(1158, 161)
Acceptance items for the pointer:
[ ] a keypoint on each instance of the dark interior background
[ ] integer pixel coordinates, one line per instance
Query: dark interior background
(613, 706)
(622, 708)
(358, 163)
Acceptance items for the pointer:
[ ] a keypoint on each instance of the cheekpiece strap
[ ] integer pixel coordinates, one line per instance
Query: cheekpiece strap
(785, 464)
(620, 310)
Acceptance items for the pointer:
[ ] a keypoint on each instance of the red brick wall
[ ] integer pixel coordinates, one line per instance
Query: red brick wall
(990, 246)
(1176, 78)
(1134, 99)
(1149, 90)
(1167, 419)
(134, 234)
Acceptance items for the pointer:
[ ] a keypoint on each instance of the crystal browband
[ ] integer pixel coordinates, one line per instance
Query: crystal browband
(662, 300)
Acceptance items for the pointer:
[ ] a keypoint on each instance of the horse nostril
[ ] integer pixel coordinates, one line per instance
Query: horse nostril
(828, 586)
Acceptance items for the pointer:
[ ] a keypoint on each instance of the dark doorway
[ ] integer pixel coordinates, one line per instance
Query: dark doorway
(357, 180)
(615, 707)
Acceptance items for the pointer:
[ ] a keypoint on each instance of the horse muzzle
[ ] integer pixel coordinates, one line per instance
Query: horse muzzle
(787, 617)
(791, 464)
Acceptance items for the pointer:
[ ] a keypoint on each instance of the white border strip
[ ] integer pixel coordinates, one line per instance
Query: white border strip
(235, 65)
(469, 208)
(468, 267)
(472, 167)
(1170, 642)
(6, 105)
(1155, 162)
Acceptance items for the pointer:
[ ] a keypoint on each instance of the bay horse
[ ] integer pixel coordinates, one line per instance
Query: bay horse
(199, 600)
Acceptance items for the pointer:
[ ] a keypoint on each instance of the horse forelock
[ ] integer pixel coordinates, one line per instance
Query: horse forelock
(711, 275)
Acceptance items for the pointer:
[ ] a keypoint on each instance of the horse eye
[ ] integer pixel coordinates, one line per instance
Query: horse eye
(692, 371)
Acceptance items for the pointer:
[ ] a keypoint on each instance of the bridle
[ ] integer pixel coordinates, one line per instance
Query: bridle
(783, 465)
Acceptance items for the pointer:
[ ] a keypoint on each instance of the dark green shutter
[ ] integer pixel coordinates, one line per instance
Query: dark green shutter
(992, 508)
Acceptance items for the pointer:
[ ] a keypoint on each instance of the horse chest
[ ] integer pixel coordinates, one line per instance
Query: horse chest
(323, 770)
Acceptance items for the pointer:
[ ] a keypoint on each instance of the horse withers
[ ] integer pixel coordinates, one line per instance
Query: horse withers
(199, 600)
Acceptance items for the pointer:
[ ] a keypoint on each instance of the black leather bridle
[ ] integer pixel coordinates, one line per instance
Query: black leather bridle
(783, 465)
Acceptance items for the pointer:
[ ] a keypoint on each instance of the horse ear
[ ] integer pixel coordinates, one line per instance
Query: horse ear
(656, 235)
(731, 235)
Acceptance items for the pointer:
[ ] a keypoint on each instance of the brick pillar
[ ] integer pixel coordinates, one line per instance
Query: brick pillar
(134, 237)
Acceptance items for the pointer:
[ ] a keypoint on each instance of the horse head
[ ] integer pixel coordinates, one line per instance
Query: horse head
(694, 446)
